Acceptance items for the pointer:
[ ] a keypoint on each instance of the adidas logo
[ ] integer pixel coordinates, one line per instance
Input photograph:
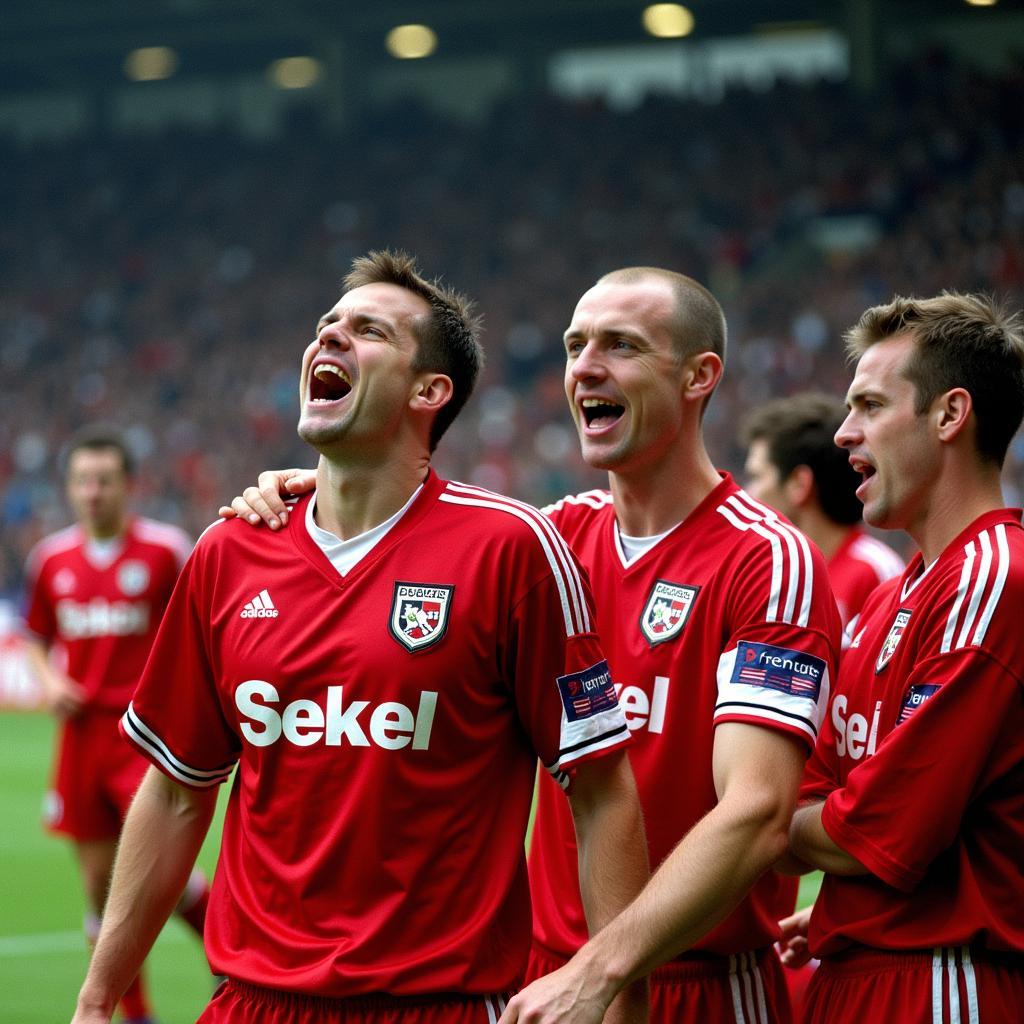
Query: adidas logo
(260, 607)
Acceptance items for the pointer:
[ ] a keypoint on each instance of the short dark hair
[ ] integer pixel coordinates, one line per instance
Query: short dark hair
(960, 341)
(97, 438)
(448, 340)
(800, 431)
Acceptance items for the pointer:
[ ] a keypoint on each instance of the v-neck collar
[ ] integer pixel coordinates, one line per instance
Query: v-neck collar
(917, 571)
(431, 489)
(706, 506)
(118, 547)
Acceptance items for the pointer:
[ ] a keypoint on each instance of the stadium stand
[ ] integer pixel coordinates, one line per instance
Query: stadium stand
(165, 284)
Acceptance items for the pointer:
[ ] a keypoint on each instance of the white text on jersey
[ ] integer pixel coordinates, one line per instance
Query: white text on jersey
(304, 722)
(852, 731)
(640, 709)
(79, 620)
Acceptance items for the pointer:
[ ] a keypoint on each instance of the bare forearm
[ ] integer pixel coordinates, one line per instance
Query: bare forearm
(613, 864)
(162, 835)
(614, 867)
(697, 886)
(809, 841)
(791, 865)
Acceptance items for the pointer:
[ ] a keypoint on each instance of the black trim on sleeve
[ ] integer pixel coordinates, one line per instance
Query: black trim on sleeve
(591, 740)
(769, 707)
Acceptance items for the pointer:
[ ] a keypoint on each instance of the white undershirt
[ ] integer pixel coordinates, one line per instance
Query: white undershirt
(344, 554)
(102, 553)
(631, 548)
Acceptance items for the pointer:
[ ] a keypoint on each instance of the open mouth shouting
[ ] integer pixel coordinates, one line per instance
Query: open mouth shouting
(866, 470)
(600, 414)
(328, 383)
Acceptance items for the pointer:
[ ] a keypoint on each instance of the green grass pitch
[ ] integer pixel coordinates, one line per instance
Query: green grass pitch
(42, 953)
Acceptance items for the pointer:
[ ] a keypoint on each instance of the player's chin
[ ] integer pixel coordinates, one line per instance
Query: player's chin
(600, 455)
(317, 429)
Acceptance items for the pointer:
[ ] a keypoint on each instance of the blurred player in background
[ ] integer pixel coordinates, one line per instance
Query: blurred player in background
(794, 465)
(96, 592)
(385, 672)
(914, 798)
(721, 634)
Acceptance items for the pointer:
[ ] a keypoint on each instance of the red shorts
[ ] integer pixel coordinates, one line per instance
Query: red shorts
(797, 980)
(236, 1002)
(941, 986)
(95, 777)
(706, 988)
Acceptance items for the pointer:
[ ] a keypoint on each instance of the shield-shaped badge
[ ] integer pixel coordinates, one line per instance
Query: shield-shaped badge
(133, 577)
(666, 611)
(419, 614)
(892, 641)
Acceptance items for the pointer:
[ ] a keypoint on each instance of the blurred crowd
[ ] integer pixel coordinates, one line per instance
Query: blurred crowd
(170, 285)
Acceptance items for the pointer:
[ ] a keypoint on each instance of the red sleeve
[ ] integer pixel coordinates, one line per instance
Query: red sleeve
(175, 717)
(778, 663)
(562, 684)
(40, 617)
(902, 807)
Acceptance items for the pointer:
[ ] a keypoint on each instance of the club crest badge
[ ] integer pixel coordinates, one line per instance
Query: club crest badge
(892, 641)
(419, 614)
(64, 582)
(133, 577)
(666, 611)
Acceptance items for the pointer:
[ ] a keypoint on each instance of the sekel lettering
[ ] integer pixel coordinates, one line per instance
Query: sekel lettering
(641, 710)
(391, 725)
(83, 620)
(854, 736)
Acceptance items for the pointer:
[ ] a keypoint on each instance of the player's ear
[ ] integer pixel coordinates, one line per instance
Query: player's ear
(799, 486)
(703, 372)
(952, 412)
(431, 391)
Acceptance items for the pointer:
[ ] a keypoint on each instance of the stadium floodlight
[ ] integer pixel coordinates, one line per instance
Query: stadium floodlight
(295, 72)
(411, 42)
(151, 63)
(668, 21)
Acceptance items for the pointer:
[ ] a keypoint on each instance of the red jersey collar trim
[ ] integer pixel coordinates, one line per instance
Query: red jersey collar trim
(725, 486)
(916, 569)
(433, 486)
(122, 540)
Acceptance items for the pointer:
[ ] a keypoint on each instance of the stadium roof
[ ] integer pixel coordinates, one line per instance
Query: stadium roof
(61, 44)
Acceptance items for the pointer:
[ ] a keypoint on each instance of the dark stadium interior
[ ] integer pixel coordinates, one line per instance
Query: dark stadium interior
(168, 280)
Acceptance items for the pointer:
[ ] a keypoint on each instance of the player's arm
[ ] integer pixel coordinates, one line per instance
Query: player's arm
(612, 850)
(265, 502)
(897, 810)
(809, 842)
(64, 697)
(163, 832)
(757, 774)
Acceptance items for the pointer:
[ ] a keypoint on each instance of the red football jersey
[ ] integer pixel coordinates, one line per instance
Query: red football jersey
(387, 725)
(922, 756)
(727, 618)
(856, 567)
(103, 617)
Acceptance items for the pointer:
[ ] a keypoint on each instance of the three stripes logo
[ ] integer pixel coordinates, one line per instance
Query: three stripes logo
(260, 607)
